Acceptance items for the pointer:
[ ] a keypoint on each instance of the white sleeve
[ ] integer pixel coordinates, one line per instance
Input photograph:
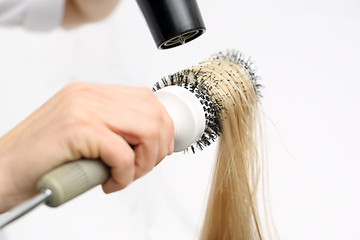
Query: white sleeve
(36, 15)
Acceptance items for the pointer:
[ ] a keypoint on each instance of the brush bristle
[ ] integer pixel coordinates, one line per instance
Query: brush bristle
(236, 57)
(196, 81)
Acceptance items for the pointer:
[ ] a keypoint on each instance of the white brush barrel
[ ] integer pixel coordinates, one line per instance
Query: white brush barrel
(186, 112)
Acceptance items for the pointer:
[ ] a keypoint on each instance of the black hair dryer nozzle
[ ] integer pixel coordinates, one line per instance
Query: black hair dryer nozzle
(172, 22)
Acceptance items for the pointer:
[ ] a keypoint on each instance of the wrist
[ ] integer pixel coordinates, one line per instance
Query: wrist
(8, 196)
(3, 178)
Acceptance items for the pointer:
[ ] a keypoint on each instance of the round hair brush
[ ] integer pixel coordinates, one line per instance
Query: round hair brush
(197, 112)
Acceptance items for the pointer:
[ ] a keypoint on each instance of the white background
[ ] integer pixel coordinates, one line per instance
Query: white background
(307, 53)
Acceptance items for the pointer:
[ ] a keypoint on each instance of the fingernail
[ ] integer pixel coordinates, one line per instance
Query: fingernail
(171, 146)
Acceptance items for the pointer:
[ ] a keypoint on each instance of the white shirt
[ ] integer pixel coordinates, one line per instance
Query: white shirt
(36, 15)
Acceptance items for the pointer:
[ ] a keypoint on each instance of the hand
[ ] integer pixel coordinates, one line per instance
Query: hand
(78, 12)
(126, 127)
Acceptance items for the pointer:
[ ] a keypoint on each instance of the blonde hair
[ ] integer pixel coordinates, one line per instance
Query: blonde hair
(232, 211)
(233, 110)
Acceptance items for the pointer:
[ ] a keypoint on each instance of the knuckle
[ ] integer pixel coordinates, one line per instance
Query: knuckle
(156, 120)
(146, 92)
(153, 128)
(128, 160)
(74, 86)
(76, 122)
(75, 91)
(74, 117)
(75, 107)
(157, 114)
(148, 95)
(157, 111)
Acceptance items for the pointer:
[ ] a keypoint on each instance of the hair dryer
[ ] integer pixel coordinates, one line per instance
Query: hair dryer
(172, 22)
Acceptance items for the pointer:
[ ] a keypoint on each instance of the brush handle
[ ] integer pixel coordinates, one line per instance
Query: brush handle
(73, 178)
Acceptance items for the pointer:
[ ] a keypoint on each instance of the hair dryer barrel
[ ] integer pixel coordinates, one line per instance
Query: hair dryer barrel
(172, 22)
